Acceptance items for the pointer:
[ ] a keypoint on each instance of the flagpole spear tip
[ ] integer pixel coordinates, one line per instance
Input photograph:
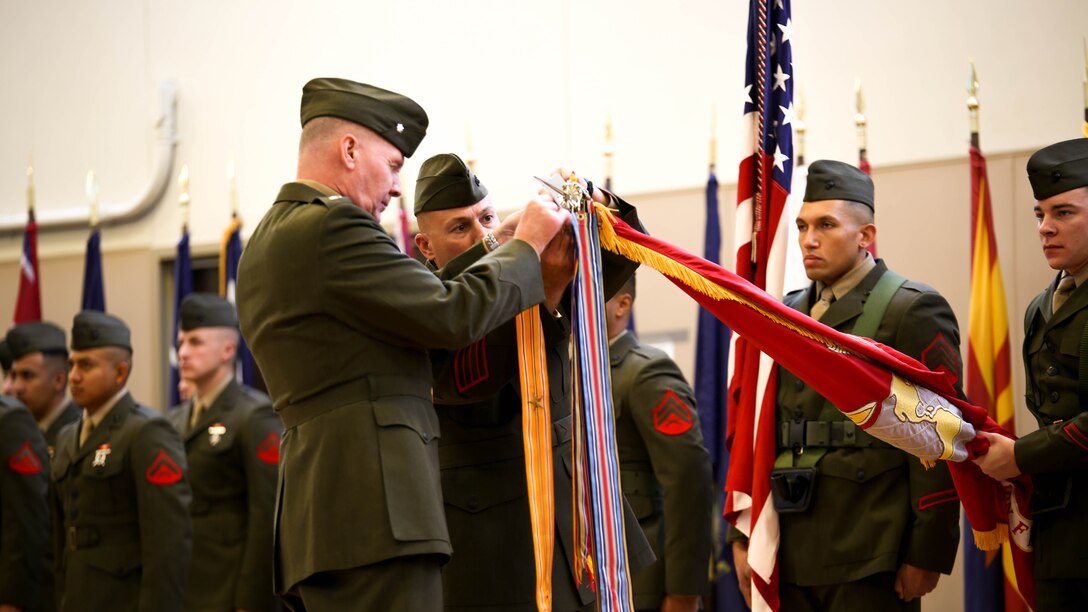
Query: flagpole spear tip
(30, 186)
(608, 150)
(860, 121)
(972, 101)
(232, 185)
(713, 137)
(91, 189)
(183, 197)
(799, 129)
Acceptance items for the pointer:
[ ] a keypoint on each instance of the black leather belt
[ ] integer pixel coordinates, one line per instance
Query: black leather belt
(799, 434)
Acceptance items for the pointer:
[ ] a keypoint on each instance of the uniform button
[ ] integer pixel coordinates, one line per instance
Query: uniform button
(861, 474)
(1051, 371)
(1054, 396)
(426, 437)
(799, 385)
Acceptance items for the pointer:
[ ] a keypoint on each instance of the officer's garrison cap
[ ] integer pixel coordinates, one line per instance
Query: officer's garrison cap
(36, 337)
(835, 180)
(1061, 167)
(392, 116)
(93, 329)
(445, 182)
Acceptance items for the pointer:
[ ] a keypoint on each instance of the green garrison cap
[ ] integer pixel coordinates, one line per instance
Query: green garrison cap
(5, 356)
(206, 310)
(446, 182)
(93, 329)
(1059, 168)
(392, 116)
(835, 180)
(37, 337)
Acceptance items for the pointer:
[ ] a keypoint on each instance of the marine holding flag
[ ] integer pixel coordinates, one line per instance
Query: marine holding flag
(1056, 456)
(863, 524)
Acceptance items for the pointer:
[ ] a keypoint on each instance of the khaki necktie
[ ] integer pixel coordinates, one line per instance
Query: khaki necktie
(85, 430)
(198, 411)
(1065, 289)
(827, 295)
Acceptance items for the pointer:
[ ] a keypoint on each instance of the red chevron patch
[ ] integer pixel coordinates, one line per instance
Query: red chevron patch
(269, 450)
(470, 366)
(24, 461)
(939, 356)
(672, 416)
(163, 470)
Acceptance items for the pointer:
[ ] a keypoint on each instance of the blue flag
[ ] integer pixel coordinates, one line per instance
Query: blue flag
(94, 293)
(711, 389)
(230, 254)
(183, 286)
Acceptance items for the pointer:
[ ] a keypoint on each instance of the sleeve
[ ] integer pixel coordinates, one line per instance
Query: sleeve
(928, 331)
(24, 510)
(414, 307)
(662, 406)
(163, 496)
(260, 444)
(1059, 447)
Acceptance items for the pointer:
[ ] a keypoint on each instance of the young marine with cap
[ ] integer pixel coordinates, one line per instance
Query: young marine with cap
(40, 377)
(339, 321)
(477, 397)
(232, 445)
(121, 494)
(864, 526)
(1055, 354)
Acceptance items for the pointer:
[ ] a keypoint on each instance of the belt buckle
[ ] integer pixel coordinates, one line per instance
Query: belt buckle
(797, 437)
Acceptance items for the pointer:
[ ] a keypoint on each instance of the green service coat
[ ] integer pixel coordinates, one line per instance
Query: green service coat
(339, 321)
(24, 510)
(121, 519)
(69, 414)
(1056, 455)
(664, 469)
(874, 508)
(233, 456)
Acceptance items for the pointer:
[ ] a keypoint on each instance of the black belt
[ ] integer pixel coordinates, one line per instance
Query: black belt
(800, 434)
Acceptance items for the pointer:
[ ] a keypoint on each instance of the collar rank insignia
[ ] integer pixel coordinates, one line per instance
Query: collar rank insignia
(400, 127)
(100, 455)
(215, 433)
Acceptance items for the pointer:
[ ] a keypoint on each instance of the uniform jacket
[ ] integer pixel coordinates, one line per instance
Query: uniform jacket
(874, 508)
(233, 455)
(69, 414)
(24, 509)
(339, 321)
(664, 469)
(121, 518)
(1056, 455)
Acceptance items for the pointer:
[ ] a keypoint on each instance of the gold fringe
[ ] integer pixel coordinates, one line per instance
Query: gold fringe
(673, 269)
(991, 540)
(928, 463)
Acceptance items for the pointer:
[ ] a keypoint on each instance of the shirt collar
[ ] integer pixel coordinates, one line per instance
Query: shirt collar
(98, 417)
(851, 279)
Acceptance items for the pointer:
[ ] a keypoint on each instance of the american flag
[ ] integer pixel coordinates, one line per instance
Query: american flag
(28, 304)
(763, 187)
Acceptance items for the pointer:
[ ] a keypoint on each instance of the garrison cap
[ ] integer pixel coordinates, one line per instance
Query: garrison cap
(5, 356)
(392, 116)
(835, 180)
(1059, 168)
(36, 337)
(206, 310)
(94, 329)
(446, 182)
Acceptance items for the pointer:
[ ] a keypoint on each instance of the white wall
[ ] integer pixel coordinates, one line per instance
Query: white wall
(533, 81)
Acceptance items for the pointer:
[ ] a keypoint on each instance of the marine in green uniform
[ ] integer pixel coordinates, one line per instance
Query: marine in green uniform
(40, 377)
(878, 528)
(121, 496)
(481, 452)
(339, 321)
(232, 442)
(1055, 352)
(24, 511)
(664, 467)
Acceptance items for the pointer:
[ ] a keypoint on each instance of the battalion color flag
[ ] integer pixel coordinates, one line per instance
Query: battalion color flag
(183, 286)
(28, 303)
(94, 292)
(762, 189)
(989, 576)
(230, 253)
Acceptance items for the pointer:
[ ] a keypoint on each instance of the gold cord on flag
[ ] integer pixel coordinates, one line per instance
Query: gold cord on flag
(536, 424)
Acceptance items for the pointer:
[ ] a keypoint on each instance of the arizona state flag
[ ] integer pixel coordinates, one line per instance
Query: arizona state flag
(28, 304)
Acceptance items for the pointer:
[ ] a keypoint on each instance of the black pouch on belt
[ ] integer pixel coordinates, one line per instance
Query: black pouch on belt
(792, 488)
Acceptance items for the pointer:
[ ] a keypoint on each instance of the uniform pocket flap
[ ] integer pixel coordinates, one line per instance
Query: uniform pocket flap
(481, 487)
(113, 561)
(861, 466)
(417, 415)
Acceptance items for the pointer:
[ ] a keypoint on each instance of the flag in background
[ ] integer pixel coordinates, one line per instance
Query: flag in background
(28, 303)
(94, 293)
(183, 286)
(711, 376)
(230, 253)
(989, 577)
(795, 277)
(763, 186)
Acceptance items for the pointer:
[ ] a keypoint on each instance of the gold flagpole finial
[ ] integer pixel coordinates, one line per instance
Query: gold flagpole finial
(859, 117)
(232, 186)
(608, 150)
(30, 187)
(91, 189)
(713, 137)
(799, 129)
(1086, 87)
(183, 197)
(972, 101)
(470, 155)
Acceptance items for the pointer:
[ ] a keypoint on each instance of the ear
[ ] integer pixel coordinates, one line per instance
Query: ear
(122, 371)
(623, 305)
(424, 245)
(868, 235)
(350, 151)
